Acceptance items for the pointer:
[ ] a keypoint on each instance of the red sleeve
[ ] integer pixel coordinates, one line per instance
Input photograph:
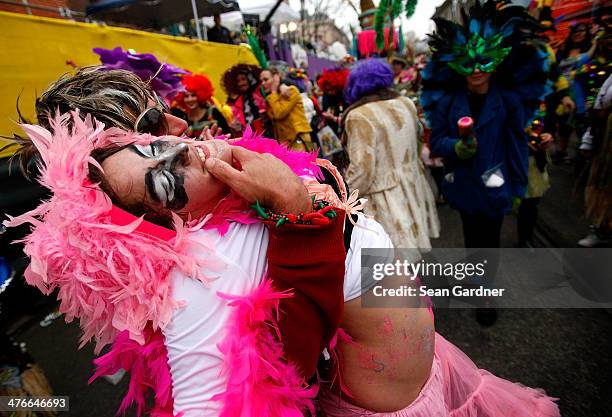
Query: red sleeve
(309, 260)
(317, 106)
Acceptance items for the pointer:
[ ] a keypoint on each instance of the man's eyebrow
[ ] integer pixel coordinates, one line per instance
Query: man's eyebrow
(137, 151)
(158, 145)
(149, 186)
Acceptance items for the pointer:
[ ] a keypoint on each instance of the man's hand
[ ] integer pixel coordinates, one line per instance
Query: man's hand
(263, 178)
(465, 151)
(328, 115)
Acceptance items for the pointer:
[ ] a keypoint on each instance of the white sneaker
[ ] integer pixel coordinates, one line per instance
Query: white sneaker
(592, 239)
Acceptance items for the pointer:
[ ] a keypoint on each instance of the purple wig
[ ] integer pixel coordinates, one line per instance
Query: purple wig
(366, 78)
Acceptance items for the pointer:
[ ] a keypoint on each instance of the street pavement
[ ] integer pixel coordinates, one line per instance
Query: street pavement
(565, 352)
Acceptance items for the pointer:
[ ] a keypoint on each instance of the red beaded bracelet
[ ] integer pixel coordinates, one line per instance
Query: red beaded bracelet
(322, 214)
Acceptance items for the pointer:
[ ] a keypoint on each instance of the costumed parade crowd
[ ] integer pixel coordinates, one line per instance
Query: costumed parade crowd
(212, 248)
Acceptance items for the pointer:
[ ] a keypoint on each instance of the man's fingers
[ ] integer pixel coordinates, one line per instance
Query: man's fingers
(242, 154)
(223, 171)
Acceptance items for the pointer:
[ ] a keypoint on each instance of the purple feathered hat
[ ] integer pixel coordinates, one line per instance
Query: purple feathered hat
(164, 79)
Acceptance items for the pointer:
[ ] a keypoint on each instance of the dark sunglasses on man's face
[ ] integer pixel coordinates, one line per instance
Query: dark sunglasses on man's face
(153, 120)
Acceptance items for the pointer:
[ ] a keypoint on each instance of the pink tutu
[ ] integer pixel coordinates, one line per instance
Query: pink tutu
(457, 388)
(473, 392)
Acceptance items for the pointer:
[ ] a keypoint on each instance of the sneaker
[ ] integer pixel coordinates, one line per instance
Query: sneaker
(593, 239)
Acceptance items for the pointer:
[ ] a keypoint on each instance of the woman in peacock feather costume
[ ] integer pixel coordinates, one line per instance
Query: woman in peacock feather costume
(493, 69)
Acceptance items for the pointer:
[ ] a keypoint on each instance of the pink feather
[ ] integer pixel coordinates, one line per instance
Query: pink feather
(235, 209)
(148, 366)
(108, 277)
(260, 382)
(302, 163)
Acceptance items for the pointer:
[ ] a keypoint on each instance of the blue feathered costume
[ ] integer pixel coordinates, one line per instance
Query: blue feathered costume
(501, 39)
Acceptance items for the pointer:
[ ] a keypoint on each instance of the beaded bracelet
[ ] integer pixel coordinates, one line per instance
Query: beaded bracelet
(322, 214)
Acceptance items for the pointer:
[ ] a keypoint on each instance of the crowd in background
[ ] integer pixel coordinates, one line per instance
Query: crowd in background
(315, 115)
(369, 119)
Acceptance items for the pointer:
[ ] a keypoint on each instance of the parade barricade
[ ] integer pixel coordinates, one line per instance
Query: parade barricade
(37, 50)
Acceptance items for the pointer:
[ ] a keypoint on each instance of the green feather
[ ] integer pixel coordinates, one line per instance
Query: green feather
(257, 51)
(410, 8)
(379, 22)
(396, 8)
(260, 210)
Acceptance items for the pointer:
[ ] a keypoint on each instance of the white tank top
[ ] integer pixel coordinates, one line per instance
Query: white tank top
(197, 328)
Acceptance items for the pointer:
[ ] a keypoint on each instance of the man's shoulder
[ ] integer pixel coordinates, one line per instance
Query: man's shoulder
(406, 104)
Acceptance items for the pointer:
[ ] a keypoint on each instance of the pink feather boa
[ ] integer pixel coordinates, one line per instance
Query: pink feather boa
(260, 382)
(115, 280)
(148, 368)
(107, 276)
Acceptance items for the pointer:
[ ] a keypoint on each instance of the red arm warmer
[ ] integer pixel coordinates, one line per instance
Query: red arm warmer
(309, 260)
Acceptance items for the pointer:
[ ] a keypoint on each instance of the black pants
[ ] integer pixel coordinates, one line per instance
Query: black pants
(526, 220)
(480, 230)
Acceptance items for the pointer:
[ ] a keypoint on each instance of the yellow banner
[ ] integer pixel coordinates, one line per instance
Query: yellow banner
(37, 50)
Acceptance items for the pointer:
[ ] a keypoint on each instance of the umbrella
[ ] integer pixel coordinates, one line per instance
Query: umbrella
(234, 21)
(156, 14)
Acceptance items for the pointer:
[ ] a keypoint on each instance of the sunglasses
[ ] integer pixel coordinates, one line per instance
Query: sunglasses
(153, 119)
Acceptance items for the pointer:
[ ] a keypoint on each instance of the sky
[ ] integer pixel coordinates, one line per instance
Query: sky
(420, 23)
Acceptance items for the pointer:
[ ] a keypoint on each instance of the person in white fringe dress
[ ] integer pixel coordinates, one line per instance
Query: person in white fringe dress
(382, 133)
